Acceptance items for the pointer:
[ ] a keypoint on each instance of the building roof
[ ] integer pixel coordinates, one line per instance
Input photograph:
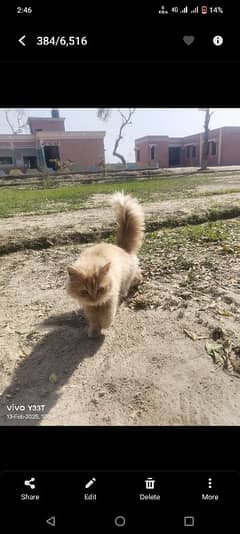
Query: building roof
(53, 135)
(71, 135)
(152, 138)
(45, 119)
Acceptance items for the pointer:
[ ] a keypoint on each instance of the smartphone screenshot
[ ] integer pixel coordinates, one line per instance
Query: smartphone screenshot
(119, 267)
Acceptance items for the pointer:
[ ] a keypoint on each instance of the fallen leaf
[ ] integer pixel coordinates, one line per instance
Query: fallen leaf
(190, 334)
(226, 313)
(53, 378)
(22, 353)
(216, 351)
(7, 329)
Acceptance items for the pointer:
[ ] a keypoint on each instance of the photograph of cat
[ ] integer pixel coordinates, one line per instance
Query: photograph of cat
(104, 273)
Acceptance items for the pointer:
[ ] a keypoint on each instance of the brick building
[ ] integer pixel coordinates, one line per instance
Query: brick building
(48, 141)
(164, 151)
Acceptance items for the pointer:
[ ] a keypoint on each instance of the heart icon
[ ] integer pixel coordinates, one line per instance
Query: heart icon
(188, 39)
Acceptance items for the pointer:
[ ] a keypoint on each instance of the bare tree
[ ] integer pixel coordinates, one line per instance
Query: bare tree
(16, 120)
(104, 114)
(205, 150)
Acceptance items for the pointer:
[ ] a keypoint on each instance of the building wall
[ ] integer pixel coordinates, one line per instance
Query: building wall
(85, 152)
(230, 146)
(227, 141)
(52, 125)
(161, 151)
(21, 149)
(143, 154)
(191, 140)
(17, 150)
(214, 136)
(85, 149)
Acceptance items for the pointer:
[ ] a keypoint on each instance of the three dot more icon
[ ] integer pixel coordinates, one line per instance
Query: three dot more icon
(150, 483)
(210, 483)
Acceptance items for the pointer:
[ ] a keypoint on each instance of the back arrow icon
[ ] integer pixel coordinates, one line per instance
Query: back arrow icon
(21, 40)
(51, 521)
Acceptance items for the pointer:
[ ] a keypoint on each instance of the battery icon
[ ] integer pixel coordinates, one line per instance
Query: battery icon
(204, 10)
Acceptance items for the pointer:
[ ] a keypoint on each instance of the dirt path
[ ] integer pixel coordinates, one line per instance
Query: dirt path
(152, 366)
(145, 371)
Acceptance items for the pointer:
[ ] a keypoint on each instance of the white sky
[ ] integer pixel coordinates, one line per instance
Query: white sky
(153, 121)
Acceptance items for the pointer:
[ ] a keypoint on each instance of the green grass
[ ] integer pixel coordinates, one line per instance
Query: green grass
(13, 201)
(220, 192)
(178, 238)
(71, 197)
(208, 232)
(45, 200)
(191, 249)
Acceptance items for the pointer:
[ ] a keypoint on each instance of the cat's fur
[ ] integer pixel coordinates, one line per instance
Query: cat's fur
(104, 273)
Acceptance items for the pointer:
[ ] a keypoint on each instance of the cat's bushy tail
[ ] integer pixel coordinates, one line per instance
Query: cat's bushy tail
(130, 219)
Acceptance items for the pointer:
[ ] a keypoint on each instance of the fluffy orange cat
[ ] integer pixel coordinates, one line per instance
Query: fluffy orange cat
(104, 273)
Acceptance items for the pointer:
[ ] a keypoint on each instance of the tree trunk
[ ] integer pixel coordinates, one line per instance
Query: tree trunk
(204, 162)
(125, 121)
(104, 114)
(115, 153)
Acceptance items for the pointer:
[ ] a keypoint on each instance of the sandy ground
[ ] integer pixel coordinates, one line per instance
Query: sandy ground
(151, 367)
(145, 370)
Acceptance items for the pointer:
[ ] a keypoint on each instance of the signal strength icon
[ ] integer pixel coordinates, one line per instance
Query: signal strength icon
(195, 10)
(184, 10)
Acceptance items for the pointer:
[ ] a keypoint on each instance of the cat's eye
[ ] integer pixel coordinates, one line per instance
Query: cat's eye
(101, 289)
(83, 292)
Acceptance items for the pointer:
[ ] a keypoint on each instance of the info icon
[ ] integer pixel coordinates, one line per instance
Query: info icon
(217, 40)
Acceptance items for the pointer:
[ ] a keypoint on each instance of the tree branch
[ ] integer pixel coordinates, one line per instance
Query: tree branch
(103, 114)
(125, 122)
(21, 124)
(8, 121)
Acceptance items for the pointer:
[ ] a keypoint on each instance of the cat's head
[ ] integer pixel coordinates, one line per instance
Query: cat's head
(90, 288)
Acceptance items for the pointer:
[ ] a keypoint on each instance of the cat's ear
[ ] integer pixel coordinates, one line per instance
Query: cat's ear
(104, 270)
(74, 274)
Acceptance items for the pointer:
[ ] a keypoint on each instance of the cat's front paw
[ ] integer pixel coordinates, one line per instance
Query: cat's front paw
(138, 279)
(93, 332)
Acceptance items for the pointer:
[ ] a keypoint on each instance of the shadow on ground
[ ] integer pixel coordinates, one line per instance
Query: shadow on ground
(57, 355)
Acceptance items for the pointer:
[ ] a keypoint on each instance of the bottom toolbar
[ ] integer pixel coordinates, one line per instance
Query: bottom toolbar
(83, 501)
